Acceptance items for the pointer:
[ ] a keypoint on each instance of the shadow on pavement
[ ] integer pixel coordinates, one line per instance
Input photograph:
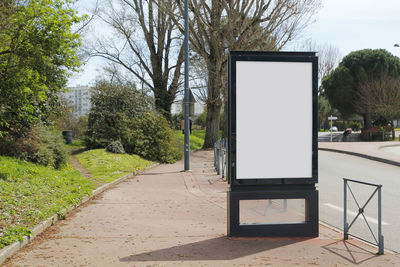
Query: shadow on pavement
(221, 248)
(352, 253)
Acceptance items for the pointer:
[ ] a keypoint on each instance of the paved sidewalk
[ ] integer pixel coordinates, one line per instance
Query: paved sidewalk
(387, 152)
(166, 217)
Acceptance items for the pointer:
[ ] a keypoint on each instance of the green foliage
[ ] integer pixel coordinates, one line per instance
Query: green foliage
(43, 145)
(343, 86)
(115, 147)
(37, 50)
(31, 193)
(201, 119)
(113, 105)
(121, 113)
(324, 111)
(150, 137)
(196, 139)
(64, 119)
(176, 121)
(12, 234)
(105, 167)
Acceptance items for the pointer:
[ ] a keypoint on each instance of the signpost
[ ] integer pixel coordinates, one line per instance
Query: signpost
(272, 172)
(331, 118)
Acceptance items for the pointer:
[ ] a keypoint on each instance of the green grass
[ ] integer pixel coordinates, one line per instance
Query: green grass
(76, 144)
(31, 193)
(105, 167)
(196, 139)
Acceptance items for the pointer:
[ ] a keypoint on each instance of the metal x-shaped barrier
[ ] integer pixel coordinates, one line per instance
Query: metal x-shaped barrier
(379, 240)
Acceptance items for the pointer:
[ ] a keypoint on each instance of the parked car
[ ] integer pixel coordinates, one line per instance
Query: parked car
(347, 131)
(333, 129)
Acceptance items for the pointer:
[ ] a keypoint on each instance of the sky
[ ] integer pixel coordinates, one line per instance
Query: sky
(349, 25)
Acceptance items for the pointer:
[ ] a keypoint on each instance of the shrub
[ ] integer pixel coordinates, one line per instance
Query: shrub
(201, 119)
(42, 144)
(151, 137)
(113, 105)
(115, 147)
(176, 120)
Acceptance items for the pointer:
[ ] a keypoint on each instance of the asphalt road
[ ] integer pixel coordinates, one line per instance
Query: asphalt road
(333, 167)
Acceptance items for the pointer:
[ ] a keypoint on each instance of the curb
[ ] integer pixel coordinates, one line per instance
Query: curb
(10, 250)
(387, 161)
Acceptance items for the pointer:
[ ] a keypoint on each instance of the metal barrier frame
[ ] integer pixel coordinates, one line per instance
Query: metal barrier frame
(346, 227)
(220, 156)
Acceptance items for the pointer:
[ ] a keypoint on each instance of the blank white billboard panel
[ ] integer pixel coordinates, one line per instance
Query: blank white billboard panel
(273, 120)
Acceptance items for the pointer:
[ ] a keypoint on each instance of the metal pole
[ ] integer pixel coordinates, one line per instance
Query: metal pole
(346, 236)
(186, 98)
(331, 128)
(222, 156)
(218, 156)
(380, 237)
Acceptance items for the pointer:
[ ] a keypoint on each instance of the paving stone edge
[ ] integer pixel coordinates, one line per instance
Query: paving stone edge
(10, 250)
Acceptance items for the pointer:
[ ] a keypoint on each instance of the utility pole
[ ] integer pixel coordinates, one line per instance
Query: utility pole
(186, 97)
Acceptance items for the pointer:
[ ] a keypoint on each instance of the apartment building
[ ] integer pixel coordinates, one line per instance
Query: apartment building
(79, 99)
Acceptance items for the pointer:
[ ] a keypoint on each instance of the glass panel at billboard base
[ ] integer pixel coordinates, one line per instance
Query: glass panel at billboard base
(271, 211)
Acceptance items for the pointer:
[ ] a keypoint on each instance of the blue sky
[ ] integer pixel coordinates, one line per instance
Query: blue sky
(357, 24)
(349, 25)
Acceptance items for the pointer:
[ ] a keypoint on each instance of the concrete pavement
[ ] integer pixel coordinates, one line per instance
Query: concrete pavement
(386, 152)
(165, 217)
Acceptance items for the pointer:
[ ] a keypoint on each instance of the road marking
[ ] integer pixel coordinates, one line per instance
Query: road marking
(369, 219)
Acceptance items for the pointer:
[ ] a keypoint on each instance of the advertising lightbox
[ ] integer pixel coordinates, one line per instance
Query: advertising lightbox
(272, 121)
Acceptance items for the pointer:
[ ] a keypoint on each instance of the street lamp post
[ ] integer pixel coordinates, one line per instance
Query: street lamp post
(186, 97)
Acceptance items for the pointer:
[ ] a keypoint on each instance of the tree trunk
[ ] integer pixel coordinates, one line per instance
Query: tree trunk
(367, 121)
(212, 125)
(214, 103)
(163, 102)
(225, 126)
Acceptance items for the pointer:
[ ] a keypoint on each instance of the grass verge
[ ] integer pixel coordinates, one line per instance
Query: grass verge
(196, 140)
(105, 167)
(31, 193)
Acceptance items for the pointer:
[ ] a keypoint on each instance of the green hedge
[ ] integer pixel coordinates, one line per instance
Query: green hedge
(42, 144)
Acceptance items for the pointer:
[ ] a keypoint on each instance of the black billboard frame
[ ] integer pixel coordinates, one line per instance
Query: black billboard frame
(275, 188)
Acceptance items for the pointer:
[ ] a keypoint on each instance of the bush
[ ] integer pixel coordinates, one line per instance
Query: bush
(152, 138)
(115, 147)
(201, 119)
(176, 120)
(42, 144)
(113, 105)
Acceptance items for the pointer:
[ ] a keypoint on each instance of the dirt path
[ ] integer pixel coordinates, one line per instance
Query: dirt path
(73, 161)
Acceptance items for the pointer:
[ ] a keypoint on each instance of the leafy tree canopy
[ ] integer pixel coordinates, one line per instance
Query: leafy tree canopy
(344, 85)
(37, 50)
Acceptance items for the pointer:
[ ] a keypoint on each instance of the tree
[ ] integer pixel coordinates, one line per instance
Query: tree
(328, 58)
(380, 97)
(37, 51)
(346, 86)
(217, 27)
(122, 113)
(145, 43)
(112, 105)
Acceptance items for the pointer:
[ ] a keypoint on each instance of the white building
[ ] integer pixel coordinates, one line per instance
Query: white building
(79, 99)
(177, 108)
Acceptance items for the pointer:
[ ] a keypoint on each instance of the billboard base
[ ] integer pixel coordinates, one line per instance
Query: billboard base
(282, 212)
